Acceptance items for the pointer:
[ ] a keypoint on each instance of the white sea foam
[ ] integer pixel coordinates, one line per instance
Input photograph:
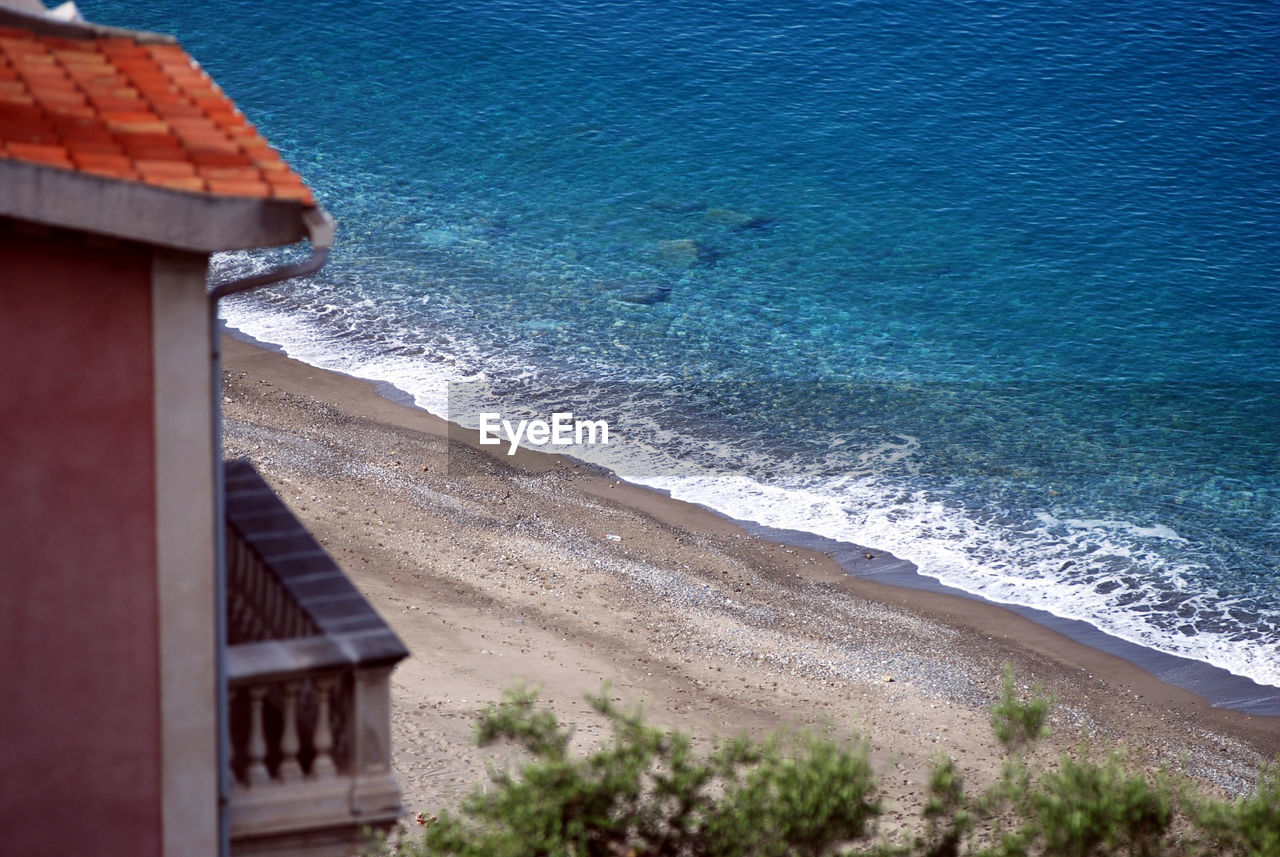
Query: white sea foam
(1063, 566)
(1104, 525)
(950, 546)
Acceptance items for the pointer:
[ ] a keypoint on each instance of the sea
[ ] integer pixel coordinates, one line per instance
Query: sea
(992, 285)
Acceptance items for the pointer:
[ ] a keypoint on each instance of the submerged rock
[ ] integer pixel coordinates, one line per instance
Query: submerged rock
(684, 252)
(645, 295)
(757, 223)
(728, 217)
(740, 221)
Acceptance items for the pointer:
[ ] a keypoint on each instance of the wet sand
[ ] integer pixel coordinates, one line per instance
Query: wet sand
(531, 569)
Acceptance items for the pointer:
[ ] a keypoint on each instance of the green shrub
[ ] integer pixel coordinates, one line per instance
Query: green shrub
(1248, 826)
(1017, 724)
(648, 793)
(802, 800)
(1086, 808)
(948, 814)
(1257, 827)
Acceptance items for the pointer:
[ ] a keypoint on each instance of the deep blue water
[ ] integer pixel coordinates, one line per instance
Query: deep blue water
(992, 285)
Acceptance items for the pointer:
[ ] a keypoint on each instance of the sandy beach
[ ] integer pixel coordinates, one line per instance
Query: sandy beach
(534, 570)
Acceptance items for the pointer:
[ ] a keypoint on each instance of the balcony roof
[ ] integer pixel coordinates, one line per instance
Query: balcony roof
(122, 133)
(338, 626)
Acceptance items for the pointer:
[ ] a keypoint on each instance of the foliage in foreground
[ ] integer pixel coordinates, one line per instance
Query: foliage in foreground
(647, 793)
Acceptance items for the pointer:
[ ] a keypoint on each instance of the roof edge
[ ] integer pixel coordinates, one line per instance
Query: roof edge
(184, 220)
(47, 26)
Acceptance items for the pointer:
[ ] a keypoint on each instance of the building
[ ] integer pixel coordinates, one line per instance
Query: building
(187, 672)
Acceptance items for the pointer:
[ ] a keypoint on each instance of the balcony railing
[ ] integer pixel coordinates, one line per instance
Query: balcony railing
(308, 667)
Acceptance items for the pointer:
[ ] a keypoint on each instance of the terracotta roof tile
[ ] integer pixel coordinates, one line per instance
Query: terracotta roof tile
(115, 107)
(239, 188)
(86, 158)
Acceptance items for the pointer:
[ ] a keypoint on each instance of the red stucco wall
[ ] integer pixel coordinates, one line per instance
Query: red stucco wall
(79, 714)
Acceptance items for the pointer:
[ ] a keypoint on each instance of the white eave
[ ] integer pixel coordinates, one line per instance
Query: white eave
(122, 208)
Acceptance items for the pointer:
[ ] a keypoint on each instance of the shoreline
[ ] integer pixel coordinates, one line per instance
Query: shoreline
(724, 645)
(1219, 687)
(1215, 685)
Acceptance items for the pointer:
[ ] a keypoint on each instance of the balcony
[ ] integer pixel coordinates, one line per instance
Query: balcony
(308, 668)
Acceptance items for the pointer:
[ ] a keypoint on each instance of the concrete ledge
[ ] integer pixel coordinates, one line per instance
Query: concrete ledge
(351, 633)
(271, 660)
(131, 210)
(311, 816)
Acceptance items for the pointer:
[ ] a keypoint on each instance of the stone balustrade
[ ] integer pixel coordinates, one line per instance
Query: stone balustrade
(308, 674)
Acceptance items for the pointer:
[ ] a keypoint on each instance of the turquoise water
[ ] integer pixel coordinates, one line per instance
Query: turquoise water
(992, 285)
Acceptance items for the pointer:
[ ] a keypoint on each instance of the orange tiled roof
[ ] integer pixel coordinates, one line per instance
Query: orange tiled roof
(117, 107)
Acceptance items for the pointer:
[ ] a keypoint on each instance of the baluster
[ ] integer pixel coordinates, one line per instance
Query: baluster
(323, 766)
(290, 770)
(256, 773)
